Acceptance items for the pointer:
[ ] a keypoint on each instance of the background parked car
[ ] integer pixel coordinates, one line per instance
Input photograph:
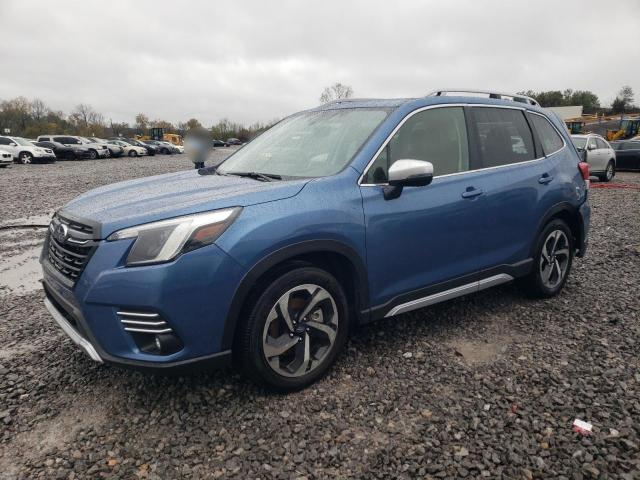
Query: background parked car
(6, 158)
(600, 156)
(96, 150)
(115, 150)
(25, 152)
(234, 141)
(151, 149)
(219, 143)
(64, 152)
(164, 148)
(627, 154)
(131, 150)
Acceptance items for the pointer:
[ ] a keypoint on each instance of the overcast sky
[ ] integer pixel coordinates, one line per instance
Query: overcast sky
(259, 60)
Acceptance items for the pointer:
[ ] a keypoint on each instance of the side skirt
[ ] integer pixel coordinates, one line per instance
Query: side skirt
(449, 294)
(449, 289)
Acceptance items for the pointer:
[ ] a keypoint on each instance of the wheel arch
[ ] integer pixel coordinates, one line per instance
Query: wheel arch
(336, 257)
(571, 216)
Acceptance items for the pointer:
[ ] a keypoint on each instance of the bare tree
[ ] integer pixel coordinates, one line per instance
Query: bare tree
(626, 95)
(39, 109)
(336, 92)
(142, 122)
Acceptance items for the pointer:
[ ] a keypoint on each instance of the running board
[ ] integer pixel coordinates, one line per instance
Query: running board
(449, 294)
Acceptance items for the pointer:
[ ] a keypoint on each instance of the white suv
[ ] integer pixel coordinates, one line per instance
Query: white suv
(599, 155)
(25, 151)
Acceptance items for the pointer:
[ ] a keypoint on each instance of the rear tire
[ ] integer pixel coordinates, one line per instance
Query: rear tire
(295, 328)
(609, 173)
(552, 261)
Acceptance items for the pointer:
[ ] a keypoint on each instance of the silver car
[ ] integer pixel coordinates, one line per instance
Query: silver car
(599, 155)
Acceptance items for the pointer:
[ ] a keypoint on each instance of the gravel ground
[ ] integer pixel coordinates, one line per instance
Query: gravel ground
(483, 386)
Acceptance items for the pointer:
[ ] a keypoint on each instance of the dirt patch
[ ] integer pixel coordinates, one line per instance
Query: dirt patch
(481, 352)
(21, 274)
(11, 351)
(87, 414)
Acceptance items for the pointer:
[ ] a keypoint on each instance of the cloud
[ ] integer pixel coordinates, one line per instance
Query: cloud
(255, 60)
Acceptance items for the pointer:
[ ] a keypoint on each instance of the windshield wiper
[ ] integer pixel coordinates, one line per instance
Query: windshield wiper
(264, 177)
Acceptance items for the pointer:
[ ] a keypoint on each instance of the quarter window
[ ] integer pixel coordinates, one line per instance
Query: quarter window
(437, 135)
(551, 141)
(503, 136)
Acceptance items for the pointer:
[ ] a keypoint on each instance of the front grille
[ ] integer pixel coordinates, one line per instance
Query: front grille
(143, 322)
(70, 245)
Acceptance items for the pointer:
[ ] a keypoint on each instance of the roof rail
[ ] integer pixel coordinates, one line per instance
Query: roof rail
(516, 97)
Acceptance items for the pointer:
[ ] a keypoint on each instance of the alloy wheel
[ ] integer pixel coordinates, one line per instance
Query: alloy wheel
(554, 259)
(25, 158)
(609, 172)
(300, 330)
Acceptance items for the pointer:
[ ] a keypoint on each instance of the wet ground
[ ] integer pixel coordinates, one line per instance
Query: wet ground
(483, 386)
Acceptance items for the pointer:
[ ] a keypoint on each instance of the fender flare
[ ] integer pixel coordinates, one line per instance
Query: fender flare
(562, 207)
(282, 255)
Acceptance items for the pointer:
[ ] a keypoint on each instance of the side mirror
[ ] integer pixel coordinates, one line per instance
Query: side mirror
(591, 147)
(583, 155)
(13, 144)
(407, 173)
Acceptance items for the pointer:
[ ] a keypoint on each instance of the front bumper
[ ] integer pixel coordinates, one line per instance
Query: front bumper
(193, 293)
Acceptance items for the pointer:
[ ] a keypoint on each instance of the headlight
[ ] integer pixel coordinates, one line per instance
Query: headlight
(162, 241)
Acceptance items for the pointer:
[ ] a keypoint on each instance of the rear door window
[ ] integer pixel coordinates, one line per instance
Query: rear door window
(436, 135)
(549, 137)
(503, 136)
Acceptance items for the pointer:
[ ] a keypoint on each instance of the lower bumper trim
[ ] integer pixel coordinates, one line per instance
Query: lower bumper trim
(71, 332)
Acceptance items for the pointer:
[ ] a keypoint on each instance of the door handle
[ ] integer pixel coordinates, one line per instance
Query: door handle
(545, 178)
(471, 192)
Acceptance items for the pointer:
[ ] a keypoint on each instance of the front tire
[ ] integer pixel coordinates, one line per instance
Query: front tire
(93, 154)
(133, 153)
(552, 263)
(295, 329)
(25, 158)
(609, 173)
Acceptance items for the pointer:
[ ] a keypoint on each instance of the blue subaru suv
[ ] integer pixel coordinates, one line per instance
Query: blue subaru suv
(336, 216)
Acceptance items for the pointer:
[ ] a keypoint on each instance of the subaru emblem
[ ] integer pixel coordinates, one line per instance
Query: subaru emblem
(60, 233)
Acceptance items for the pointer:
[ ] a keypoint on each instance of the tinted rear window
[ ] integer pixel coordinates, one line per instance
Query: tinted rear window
(549, 137)
(504, 136)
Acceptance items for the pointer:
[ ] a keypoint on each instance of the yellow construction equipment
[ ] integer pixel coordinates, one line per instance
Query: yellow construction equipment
(575, 125)
(629, 127)
(157, 133)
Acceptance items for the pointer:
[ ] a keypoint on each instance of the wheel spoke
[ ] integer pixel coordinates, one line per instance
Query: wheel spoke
(563, 252)
(545, 253)
(324, 328)
(318, 296)
(556, 264)
(546, 272)
(283, 305)
(278, 346)
(303, 355)
(556, 237)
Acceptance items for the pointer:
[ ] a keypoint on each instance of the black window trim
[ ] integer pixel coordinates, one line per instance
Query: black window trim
(464, 106)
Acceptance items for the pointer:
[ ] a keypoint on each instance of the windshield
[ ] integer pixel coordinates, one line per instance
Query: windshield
(310, 144)
(23, 142)
(579, 142)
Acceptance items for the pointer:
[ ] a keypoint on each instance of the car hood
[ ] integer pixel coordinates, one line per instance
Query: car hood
(149, 199)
